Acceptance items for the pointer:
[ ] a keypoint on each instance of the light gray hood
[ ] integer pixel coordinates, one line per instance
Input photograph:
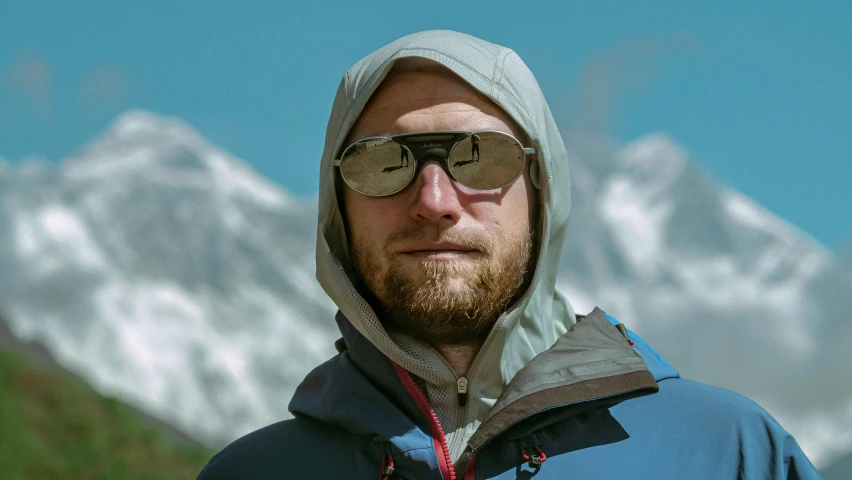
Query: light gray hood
(542, 314)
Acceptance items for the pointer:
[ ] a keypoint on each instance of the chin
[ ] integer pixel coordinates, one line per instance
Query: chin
(449, 274)
(456, 284)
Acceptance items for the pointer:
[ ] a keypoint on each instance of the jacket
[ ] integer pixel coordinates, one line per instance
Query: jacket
(565, 398)
(600, 403)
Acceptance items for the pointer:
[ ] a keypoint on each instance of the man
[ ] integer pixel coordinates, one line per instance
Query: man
(459, 359)
(474, 147)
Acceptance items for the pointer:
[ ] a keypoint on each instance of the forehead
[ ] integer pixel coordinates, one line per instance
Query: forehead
(421, 95)
(421, 82)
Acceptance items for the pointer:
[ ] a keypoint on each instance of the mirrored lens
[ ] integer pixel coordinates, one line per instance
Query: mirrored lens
(377, 166)
(486, 160)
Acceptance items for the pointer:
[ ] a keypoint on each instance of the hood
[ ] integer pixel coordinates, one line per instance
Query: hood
(541, 315)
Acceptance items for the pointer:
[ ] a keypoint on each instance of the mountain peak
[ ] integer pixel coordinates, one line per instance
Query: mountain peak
(166, 150)
(656, 151)
(140, 129)
(136, 123)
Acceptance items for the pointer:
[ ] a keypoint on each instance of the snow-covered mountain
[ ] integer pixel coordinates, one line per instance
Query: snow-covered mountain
(168, 273)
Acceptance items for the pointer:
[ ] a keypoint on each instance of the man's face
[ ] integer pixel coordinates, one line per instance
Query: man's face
(440, 260)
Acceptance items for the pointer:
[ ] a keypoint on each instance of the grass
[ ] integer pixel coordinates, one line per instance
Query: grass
(54, 426)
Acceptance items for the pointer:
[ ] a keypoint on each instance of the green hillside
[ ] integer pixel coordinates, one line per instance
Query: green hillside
(53, 426)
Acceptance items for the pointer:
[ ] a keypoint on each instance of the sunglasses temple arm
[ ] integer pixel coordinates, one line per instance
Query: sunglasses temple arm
(529, 151)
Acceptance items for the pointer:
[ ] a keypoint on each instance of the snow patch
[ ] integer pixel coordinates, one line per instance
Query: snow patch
(53, 238)
(657, 150)
(748, 213)
(136, 122)
(637, 224)
(236, 179)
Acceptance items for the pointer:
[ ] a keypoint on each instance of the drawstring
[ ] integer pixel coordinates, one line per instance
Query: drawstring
(534, 461)
(621, 328)
(387, 467)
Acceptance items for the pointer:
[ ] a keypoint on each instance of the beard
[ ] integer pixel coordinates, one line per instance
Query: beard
(444, 302)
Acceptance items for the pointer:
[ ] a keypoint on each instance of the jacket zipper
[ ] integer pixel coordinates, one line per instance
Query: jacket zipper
(439, 440)
(462, 385)
(470, 469)
(461, 389)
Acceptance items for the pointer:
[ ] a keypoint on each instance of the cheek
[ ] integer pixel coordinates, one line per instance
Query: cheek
(369, 219)
(353, 210)
(517, 204)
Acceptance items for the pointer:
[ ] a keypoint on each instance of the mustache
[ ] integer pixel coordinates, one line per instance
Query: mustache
(465, 237)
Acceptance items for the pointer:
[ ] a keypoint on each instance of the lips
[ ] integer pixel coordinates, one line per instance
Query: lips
(438, 248)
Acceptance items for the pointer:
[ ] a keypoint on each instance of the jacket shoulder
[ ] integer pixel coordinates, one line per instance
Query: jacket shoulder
(294, 448)
(717, 426)
(714, 409)
(710, 400)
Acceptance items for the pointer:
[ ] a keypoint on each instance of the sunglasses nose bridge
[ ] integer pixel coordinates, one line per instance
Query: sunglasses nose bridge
(439, 157)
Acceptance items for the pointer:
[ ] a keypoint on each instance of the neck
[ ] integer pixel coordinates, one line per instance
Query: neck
(459, 356)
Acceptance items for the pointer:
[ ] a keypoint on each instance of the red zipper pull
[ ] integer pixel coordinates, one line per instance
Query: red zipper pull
(535, 460)
(387, 467)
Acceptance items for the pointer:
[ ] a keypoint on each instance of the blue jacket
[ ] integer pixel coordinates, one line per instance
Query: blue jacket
(358, 414)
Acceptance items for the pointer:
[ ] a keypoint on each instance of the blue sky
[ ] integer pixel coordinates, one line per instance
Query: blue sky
(758, 92)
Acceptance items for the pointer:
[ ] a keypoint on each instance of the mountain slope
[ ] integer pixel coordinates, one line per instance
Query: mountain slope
(167, 273)
(55, 427)
(839, 470)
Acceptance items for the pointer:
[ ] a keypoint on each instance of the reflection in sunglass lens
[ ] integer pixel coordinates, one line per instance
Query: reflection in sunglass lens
(377, 166)
(486, 160)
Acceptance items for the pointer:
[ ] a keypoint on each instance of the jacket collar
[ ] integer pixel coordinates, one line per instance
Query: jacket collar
(359, 392)
(593, 362)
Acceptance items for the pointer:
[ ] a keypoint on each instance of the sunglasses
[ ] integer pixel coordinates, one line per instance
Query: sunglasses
(381, 166)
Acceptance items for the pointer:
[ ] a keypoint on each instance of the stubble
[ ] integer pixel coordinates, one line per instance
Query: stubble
(444, 302)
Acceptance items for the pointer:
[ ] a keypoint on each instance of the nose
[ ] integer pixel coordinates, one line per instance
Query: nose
(435, 195)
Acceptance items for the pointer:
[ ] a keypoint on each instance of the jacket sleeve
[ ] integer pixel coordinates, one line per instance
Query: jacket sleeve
(796, 465)
(763, 449)
(768, 451)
